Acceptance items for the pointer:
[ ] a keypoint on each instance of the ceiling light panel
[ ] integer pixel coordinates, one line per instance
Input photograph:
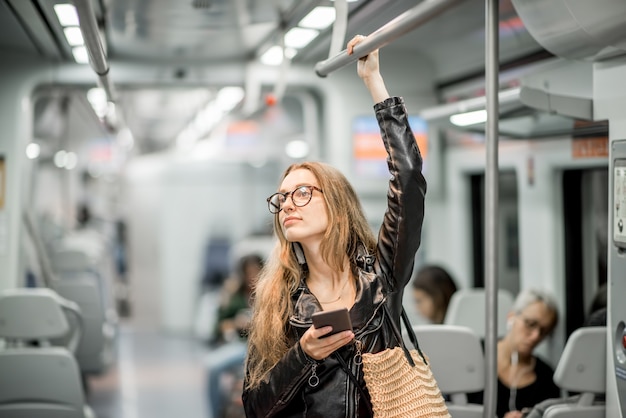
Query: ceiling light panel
(299, 37)
(74, 36)
(66, 13)
(469, 118)
(318, 18)
(273, 56)
(80, 55)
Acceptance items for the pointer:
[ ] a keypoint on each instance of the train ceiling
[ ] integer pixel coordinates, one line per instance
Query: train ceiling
(174, 37)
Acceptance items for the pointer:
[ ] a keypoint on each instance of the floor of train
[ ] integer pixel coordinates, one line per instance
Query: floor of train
(156, 375)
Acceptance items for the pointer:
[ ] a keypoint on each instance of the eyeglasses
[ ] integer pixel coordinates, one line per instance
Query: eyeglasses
(532, 325)
(301, 196)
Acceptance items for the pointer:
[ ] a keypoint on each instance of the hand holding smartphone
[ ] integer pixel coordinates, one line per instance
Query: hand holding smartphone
(339, 319)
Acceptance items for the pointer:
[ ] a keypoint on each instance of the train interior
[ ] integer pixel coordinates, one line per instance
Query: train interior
(141, 138)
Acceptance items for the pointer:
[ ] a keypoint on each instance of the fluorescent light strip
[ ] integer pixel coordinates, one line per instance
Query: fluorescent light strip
(66, 13)
(74, 36)
(318, 18)
(469, 118)
(273, 56)
(299, 37)
(80, 55)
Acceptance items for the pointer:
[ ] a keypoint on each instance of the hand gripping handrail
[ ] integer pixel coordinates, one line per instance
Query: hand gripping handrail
(404, 23)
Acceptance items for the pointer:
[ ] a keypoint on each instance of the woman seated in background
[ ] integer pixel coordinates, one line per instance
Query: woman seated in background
(523, 378)
(233, 319)
(433, 288)
(597, 318)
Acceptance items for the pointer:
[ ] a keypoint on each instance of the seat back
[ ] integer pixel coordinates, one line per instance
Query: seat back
(95, 351)
(38, 380)
(582, 368)
(31, 314)
(80, 279)
(71, 260)
(467, 308)
(457, 361)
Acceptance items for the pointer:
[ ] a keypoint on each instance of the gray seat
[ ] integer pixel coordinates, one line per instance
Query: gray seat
(582, 369)
(458, 364)
(77, 280)
(467, 308)
(95, 353)
(38, 380)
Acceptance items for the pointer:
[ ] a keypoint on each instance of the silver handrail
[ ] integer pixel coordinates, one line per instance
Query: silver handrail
(404, 23)
(91, 35)
(491, 206)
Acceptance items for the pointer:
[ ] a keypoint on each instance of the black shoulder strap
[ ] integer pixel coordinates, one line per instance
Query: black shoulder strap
(405, 319)
(352, 377)
(398, 334)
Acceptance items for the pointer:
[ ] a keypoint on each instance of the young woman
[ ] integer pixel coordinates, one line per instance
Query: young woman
(433, 288)
(327, 258)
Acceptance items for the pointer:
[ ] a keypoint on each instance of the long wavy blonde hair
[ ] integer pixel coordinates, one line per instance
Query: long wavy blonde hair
(268, 340)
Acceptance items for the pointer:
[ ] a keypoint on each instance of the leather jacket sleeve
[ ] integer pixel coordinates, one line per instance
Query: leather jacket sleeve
(283, 383)
(400, 234)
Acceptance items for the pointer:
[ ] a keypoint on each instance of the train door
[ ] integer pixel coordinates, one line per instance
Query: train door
(508, 261)
(585, 226)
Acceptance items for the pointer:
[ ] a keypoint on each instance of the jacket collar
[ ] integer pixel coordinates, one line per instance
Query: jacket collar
(369, 295)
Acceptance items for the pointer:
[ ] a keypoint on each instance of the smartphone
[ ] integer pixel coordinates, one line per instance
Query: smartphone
(339, 319)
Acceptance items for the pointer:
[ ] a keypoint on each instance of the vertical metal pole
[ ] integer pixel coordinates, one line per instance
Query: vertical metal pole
(491, 205)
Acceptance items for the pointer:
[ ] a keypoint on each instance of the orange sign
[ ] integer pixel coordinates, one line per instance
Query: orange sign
(590, 147)
(370, 156)
(370, 145)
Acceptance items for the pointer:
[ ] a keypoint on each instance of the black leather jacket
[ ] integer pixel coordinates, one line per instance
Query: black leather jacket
(288, 392)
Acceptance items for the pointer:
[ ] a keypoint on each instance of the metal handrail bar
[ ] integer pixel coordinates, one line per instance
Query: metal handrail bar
(492, 176)
(91, 36)
(404, 23)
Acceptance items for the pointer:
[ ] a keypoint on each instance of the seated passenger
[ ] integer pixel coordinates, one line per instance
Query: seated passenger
(597, 318)
(523, 378)
(432, 289)
(233, 318)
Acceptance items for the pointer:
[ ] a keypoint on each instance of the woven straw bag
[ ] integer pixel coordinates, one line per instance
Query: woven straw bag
(400, 386)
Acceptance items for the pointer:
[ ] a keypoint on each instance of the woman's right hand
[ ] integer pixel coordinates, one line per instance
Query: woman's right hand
(367, 65)
(368, 68)
(319, 348)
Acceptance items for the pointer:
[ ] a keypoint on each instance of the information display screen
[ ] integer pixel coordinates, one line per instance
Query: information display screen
(368, 152)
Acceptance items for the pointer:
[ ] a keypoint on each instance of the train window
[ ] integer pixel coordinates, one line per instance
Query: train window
(508, 262)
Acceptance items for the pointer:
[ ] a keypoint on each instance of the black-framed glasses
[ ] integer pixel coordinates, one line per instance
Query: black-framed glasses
(301, 196)
(532, 325)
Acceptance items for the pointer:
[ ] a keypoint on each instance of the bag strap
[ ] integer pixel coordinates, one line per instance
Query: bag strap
(375, 267)
(352, 377)
(398, 334)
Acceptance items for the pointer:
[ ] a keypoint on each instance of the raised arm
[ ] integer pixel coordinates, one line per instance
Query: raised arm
(400, 233)
(369, 70)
